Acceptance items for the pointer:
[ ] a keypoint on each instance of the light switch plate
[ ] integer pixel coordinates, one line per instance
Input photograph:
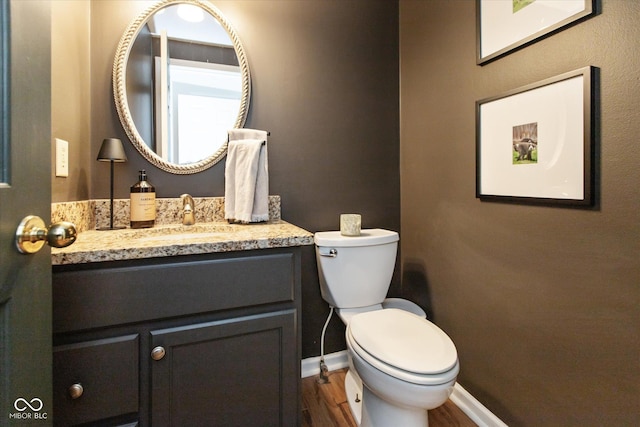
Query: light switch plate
(62, 158)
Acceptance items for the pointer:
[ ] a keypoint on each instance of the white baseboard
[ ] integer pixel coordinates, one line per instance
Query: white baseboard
(475, 410)
(311, 365)
(468, 404)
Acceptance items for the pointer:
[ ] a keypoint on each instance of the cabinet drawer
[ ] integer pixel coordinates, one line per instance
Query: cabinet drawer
(107, 371)
(151, 290)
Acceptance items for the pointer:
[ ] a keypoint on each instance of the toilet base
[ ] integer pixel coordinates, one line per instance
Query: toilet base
(377, 412)
(378, 409)
(353, 391)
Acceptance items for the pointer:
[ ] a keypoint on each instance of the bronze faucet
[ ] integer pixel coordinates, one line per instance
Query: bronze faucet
(188, 210)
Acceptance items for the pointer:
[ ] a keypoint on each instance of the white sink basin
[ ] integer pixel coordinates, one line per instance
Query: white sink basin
(176, 233)
(203, 236)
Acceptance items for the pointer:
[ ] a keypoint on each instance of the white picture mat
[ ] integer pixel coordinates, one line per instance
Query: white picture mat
(500, 27)
(558, 109)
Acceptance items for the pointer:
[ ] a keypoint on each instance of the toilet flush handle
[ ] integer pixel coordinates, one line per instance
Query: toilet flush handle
(331, 254)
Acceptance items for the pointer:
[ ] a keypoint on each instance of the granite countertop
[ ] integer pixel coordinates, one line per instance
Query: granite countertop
(173, 239)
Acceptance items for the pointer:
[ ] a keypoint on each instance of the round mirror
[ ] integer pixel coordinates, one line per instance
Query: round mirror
(181, 81)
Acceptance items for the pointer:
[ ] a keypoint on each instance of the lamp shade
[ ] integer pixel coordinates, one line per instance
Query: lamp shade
(112, 150)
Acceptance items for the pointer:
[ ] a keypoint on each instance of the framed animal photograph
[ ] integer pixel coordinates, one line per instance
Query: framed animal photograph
(507, 25)
(535, 144)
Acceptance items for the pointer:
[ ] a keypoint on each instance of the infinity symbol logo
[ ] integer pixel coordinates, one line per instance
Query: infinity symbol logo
(21, 404)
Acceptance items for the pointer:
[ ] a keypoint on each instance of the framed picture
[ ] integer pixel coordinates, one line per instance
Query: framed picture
(506, 25)
(535, 144)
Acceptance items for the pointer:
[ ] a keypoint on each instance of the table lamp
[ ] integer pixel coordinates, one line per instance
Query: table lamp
(111, 151)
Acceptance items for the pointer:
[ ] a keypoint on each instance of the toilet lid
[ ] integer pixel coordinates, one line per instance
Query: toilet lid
(367, 237)
(404, 340)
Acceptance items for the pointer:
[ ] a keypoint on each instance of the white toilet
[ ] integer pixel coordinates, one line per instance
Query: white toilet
(401, 365)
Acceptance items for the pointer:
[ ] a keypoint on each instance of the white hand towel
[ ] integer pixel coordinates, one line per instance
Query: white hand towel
(247, 176)
(237, 134)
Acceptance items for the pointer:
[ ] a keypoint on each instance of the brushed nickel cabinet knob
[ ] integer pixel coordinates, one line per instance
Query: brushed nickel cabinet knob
(76, 390)
(157, 353)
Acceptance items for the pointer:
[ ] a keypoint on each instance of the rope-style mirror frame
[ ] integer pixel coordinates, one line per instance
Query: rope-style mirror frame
(120, 92)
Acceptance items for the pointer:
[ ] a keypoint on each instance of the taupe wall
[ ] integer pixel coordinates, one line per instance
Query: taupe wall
(325, 84)
(542, 302)
(70, 96)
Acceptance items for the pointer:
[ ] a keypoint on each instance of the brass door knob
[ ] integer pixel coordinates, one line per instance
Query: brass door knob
(32, 234)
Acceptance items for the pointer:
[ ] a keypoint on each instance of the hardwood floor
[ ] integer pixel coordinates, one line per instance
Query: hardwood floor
(325, 405)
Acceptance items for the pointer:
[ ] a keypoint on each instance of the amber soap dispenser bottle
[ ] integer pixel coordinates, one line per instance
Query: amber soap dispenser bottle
(143, 203)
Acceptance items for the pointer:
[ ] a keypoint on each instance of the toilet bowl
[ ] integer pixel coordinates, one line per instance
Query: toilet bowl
(400, 364)
(407, 366)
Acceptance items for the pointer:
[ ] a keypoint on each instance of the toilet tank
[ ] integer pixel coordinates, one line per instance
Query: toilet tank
(355, 271)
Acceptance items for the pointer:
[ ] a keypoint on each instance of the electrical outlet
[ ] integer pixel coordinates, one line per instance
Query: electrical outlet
(62, 158)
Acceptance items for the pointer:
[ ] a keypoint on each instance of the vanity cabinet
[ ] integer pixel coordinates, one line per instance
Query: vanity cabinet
(198, 340)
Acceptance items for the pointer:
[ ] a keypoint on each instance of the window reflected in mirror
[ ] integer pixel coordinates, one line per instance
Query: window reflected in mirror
(195, 90)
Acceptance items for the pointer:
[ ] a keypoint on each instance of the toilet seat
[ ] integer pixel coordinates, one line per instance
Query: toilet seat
(404, 346)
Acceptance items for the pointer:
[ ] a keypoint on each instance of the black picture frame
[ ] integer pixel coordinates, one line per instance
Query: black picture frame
(501, 29)
(536, 144)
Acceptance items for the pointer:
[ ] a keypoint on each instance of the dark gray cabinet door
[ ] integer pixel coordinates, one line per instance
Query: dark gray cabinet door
(235, 372)
(25, 189)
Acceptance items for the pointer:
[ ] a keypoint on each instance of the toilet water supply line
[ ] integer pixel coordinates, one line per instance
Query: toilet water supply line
(323, 366)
